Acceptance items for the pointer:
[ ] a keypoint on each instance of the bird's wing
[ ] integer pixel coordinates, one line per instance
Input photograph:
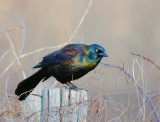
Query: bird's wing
(58, 57)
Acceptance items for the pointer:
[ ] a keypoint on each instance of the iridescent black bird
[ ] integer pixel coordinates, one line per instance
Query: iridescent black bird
(69, 63)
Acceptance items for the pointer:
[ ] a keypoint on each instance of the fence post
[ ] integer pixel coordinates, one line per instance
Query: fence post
(63, 105)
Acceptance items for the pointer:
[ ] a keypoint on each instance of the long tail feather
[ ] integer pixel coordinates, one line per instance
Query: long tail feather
(26, 86)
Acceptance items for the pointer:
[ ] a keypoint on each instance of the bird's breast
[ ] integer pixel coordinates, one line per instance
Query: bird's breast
(82, 62)
(73, 69)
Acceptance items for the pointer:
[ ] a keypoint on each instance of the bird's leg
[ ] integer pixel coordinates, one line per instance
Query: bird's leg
(68, 83)
(72, 86)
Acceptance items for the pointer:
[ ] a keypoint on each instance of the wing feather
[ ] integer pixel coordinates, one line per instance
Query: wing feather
(59, 56)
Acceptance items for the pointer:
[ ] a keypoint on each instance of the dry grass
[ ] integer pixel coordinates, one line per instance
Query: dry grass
(100, 105)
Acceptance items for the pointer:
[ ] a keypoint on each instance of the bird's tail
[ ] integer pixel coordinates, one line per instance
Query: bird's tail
(26, 86)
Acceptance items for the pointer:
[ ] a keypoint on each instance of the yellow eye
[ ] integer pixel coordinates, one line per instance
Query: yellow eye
(97, 50)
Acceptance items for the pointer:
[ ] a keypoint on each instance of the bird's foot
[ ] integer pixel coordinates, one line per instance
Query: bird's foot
(82, 89)
(72, 86)
(76, 88)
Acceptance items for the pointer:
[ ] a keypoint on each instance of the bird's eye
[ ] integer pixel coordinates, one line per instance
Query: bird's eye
(98, 51)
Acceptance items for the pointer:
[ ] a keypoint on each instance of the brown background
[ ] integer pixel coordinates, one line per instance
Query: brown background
(120, 26)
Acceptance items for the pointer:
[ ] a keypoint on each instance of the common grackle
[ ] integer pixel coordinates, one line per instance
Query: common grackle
(69, 63)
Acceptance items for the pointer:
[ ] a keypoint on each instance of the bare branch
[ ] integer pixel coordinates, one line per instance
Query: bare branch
(147, 59)
(4, 54)
(138, 86)
(81, 21)
(12, 47)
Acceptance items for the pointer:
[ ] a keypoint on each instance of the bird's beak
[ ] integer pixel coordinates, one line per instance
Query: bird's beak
(104, 54)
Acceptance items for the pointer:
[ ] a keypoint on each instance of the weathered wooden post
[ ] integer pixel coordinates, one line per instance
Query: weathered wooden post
(63, 105)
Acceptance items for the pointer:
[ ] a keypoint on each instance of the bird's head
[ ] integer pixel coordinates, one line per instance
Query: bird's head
(96, 52)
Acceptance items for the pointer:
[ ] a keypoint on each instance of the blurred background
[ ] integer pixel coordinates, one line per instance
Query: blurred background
(120, 26)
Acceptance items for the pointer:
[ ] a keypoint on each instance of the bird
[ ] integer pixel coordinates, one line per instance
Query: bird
(71, 62)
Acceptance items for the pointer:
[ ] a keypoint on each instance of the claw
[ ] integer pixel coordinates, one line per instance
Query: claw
(74, 88)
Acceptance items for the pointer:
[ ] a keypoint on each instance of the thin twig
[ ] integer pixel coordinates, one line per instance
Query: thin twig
(6, 93)
(146, 59)
(81, 21)
(18, 28)
(12, 47)
(42, 49)
(4, 54)
(138, 86)
(7, 68)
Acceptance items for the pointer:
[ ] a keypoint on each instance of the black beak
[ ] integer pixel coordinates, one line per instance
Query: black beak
(104, 54)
